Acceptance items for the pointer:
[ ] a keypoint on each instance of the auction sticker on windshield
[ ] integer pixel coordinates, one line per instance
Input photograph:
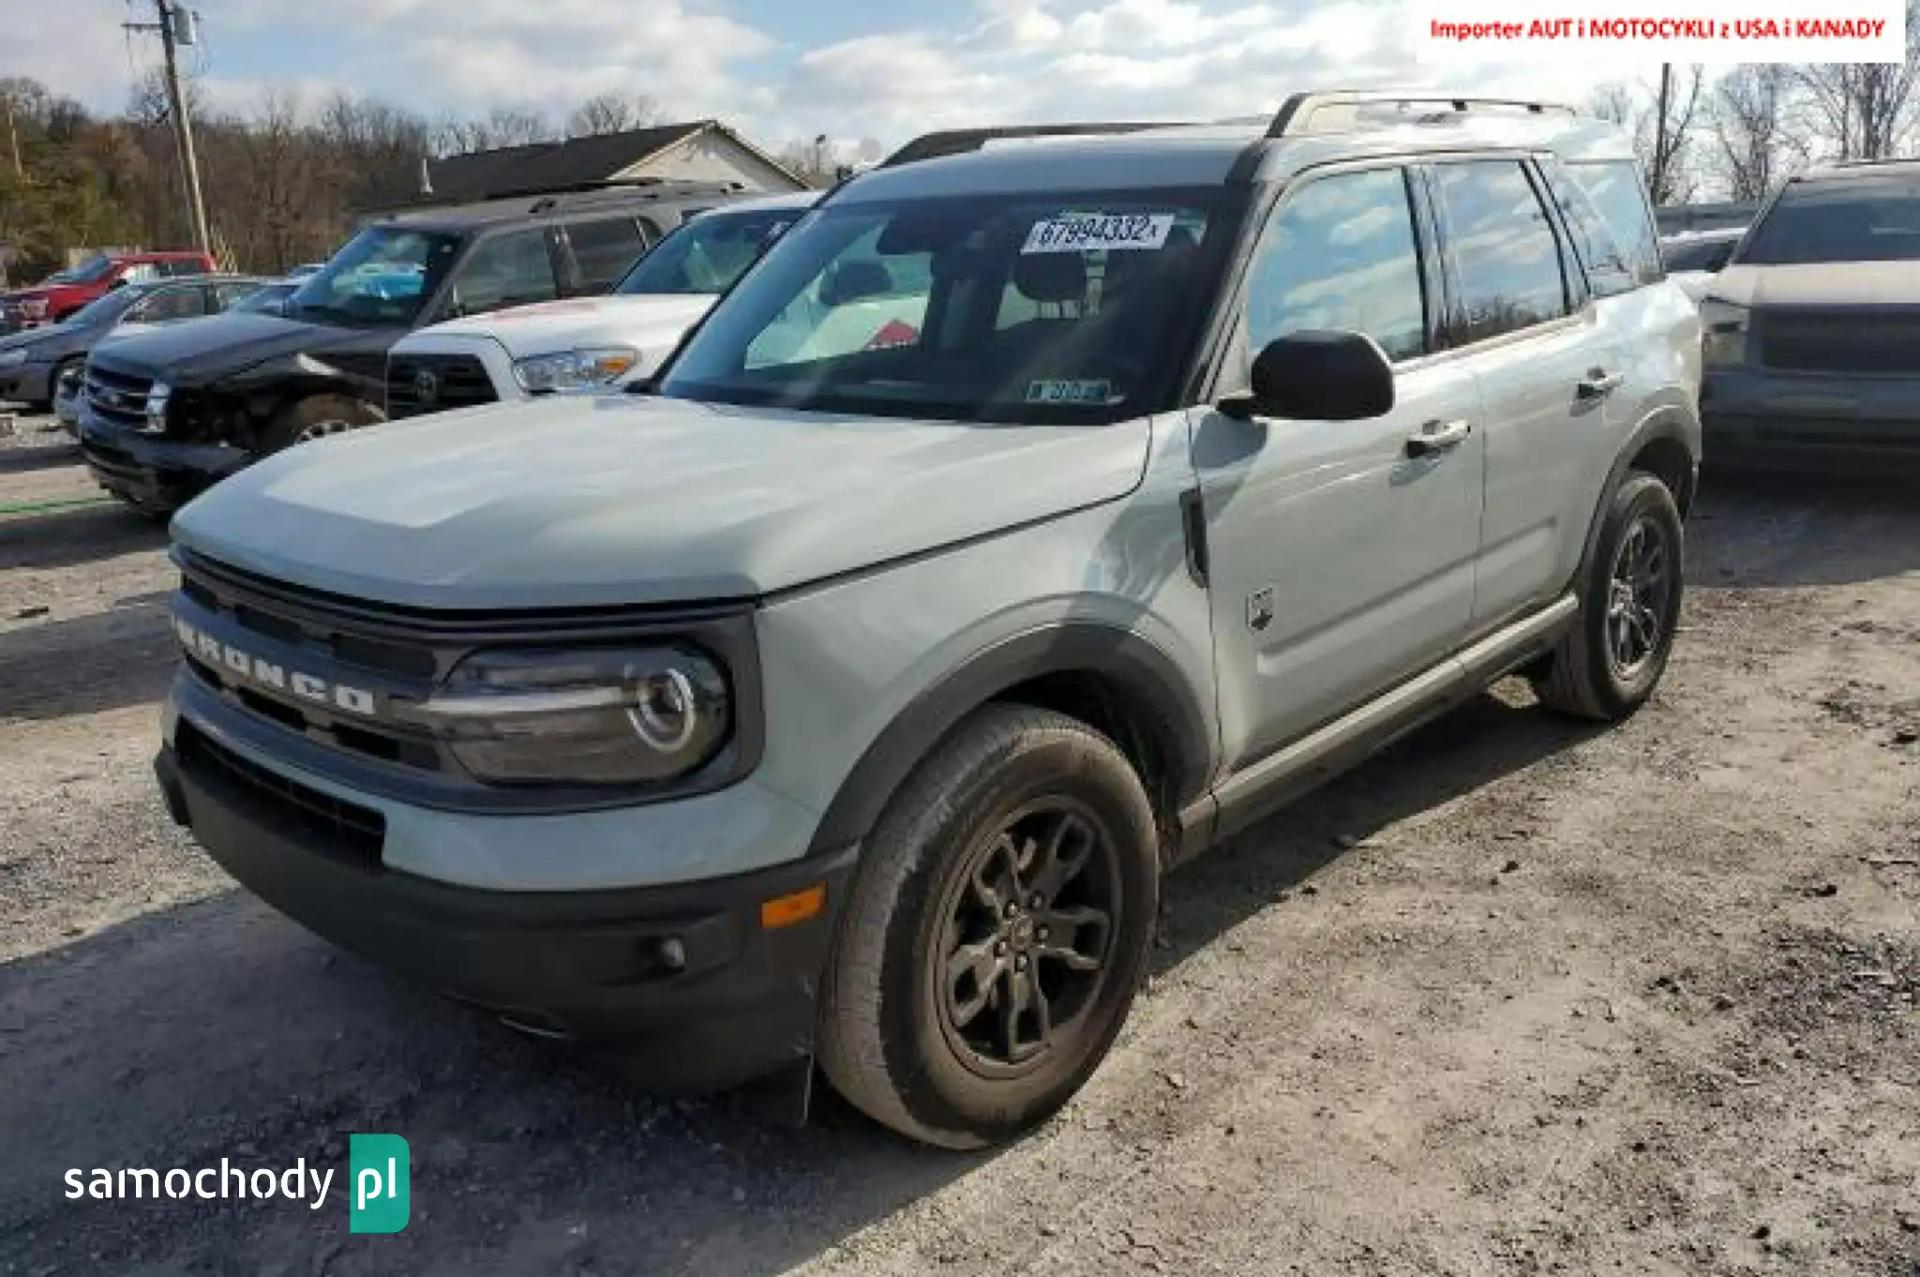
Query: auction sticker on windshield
(1079, 232)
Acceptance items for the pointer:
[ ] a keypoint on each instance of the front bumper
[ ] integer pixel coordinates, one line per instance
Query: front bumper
(159, 474)
(27, 383)
(1762, 419)
(684, 980)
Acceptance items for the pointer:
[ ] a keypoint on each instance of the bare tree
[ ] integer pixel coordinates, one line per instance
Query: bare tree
(502, 127)
(1864, 107)
(1662, 125)
(612, 113)
(1746, 112)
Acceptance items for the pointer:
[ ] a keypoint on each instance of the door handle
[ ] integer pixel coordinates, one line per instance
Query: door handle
(1437, 437)
(1598, 384)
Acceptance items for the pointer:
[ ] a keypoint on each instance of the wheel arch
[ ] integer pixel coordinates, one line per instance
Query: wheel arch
(1666, 444)
(1111, 678)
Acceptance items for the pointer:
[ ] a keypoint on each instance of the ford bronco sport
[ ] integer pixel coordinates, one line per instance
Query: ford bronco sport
(843, 699)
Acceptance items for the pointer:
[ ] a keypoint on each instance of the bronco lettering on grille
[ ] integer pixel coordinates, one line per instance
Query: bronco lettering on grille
(209, 650)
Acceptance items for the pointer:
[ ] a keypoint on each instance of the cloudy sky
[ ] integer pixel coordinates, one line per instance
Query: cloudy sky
(782, 69)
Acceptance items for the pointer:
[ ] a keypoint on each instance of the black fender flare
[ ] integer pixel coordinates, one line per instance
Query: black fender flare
(1139, 671)
(1666, 423)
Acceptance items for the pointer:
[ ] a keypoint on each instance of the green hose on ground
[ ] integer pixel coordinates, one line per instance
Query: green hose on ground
(57, 503)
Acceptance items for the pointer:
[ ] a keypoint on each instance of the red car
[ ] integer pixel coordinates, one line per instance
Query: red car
(63, 292)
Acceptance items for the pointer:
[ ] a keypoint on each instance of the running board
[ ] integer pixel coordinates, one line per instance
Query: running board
(1261, 787)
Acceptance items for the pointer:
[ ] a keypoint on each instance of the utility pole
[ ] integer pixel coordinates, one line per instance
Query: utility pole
(13, 132)
(168, 12)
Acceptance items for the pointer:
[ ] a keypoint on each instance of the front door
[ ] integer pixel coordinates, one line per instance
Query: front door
(1340, 562)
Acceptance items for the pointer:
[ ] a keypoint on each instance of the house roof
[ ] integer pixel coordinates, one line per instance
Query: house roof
(577, 161)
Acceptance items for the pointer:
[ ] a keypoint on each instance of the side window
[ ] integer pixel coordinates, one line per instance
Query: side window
(1615, 188)
(140, 272)
(509, 269)
(225, 295)
(604, 249)
(170, 304)
(181, 266)
(1506, 258)
(1609, 268)
(1341, 253)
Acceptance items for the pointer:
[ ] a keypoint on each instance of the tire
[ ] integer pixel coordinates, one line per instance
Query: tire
(894, 1036)
(53, 382)
(315, 417)
(1587, 675)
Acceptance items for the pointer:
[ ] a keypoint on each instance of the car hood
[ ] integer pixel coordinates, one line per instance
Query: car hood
(48, 336)
(29, 294)
(629, 499)
(641, 321)
(1820, 284)
(194, 353)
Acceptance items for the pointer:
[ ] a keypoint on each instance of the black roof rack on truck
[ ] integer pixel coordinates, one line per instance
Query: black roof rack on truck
(956, 141)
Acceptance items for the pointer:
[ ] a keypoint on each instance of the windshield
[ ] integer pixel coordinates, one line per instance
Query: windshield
(382, 277)
(105, 308)
(708, 253)
(268, 297)
(1860, 221)
(87, 272)
(1030, 308)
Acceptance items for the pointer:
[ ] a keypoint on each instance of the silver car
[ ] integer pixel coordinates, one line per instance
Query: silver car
(1037, 512)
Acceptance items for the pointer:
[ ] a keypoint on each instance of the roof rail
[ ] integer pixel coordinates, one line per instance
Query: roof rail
(1303, 112)
(957, 141)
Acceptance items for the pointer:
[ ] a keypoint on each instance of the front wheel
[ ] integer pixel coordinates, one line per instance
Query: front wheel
(1607, 665)
(316, 417)
(997, 931)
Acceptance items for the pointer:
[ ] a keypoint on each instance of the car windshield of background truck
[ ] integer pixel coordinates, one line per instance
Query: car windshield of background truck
(707, 254)
(382, 277)
(1043, 308)
(1867, 220)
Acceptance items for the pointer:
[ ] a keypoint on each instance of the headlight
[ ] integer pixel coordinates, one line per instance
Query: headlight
(573, 370)
(585, 716)
(13, 358)
(159, 395)
(1724, 333)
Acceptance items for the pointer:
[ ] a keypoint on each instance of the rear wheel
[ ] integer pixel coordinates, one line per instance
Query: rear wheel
(997, 931)
(317, 417)
(1608, 664)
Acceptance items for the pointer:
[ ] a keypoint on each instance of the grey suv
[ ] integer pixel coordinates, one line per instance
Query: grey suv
(1031, 516)
(1811, 329)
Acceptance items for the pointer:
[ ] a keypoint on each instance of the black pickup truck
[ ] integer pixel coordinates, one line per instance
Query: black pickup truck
(167, 414)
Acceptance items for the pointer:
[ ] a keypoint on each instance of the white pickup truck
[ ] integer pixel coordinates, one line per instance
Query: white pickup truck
(588, 343)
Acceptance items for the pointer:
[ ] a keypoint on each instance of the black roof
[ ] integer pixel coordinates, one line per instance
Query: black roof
(551, 165)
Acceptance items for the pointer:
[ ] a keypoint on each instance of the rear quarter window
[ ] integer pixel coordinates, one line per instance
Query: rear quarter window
(1620, 196)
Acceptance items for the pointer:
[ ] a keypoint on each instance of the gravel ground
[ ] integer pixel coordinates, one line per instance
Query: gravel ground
(1515, 997)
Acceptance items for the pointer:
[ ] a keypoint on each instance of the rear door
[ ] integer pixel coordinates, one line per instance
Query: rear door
(1518, 319)
(600, 250)
(1339, 562)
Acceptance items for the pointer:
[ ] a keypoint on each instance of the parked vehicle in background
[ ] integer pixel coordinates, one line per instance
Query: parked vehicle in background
(64, 292)
(270, 298)
(846, 699)
(170, 413)
(32, 362)
(1693, 258)
(1812, 329)
(588, 343)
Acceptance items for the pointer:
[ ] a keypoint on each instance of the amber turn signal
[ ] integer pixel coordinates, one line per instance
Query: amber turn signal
(794, 907)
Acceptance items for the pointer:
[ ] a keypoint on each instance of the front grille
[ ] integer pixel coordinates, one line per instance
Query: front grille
(419, 384)
(117, 397)
(297, 637)
(1847, 342)
(344, 830)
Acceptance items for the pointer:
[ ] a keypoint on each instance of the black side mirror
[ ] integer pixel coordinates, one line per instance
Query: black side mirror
(121, 282)
(1317, 375)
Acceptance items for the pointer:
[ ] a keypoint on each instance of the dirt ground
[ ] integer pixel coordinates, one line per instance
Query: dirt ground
(1515, 997)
